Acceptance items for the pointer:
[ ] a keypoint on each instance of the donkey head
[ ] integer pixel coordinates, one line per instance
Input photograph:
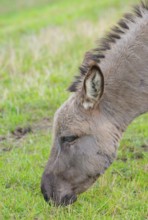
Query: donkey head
(89, 125)
(79, 154)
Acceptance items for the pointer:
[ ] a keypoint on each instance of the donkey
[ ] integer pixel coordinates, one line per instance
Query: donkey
(110, 91)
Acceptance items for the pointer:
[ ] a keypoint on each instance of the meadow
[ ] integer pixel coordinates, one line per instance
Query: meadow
(42, 44)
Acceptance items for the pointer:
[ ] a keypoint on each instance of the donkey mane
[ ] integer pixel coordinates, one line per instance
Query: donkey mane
(105, 43)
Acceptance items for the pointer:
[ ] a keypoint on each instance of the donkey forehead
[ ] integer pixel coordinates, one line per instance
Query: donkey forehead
(70, 118)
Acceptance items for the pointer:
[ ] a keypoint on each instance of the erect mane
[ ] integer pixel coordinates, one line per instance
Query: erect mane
(105, 43)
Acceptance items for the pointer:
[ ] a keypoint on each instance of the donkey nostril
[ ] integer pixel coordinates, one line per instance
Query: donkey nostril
(46, 197)
(44, 192)
(68, 199)
(47, 186)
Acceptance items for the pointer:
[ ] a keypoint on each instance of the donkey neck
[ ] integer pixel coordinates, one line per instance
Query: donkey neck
(125, 69)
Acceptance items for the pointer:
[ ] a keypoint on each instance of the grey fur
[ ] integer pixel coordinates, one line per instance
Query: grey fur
(74, 165)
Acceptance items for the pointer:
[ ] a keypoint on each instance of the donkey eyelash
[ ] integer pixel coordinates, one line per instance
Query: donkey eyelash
(68, 138)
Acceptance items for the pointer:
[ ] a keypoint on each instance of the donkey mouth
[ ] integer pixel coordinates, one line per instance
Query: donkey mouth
(68, 200)
(65, 201)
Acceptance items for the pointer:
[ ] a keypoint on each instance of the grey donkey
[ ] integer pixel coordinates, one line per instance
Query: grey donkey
(110, 91)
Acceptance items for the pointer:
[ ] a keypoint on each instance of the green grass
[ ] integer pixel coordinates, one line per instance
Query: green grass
(41, 46)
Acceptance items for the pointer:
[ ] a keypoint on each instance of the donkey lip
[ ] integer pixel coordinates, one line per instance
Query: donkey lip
(67, 200)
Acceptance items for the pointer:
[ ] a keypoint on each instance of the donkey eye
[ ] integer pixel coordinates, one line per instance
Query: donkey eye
(68, 138)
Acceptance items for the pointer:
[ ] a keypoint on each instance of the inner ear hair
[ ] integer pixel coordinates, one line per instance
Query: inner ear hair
(93, 86)
(95, 77)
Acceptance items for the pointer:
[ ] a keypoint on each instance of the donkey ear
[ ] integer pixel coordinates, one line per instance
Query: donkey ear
(93, 86)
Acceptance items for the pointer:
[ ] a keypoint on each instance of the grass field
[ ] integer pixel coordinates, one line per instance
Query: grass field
(42, 43)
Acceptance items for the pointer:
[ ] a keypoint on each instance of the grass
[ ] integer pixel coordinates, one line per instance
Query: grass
(41, 46)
